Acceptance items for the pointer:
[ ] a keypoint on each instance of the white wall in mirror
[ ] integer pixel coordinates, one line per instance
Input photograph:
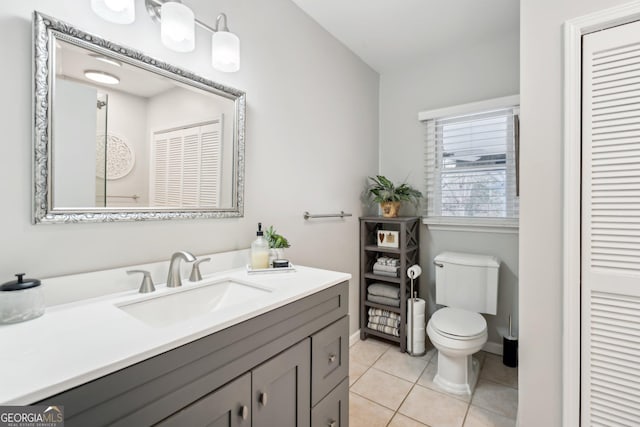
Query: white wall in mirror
(312, 133)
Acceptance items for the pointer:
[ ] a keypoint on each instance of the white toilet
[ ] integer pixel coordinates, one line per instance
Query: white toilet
(467, 284)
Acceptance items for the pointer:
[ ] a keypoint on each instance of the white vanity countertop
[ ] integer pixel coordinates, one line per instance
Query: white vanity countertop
(75, 343)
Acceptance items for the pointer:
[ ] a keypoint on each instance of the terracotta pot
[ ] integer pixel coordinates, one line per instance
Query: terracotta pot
(390, 209)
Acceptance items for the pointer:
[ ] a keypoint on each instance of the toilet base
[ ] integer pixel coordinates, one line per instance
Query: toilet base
(457, 375)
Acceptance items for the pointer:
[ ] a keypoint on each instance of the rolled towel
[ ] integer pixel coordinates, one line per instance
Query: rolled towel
(385, 260)
(383, 290)
(382, 328)
(394, 302)
(387, 321)
(380, 312)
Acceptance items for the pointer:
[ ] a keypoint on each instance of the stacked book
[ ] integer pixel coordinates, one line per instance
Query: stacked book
(387, 266)
(384, 321)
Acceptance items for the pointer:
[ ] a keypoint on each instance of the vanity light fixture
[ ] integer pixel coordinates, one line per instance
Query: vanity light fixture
(101, 77)
(116, 11)
(177, 31)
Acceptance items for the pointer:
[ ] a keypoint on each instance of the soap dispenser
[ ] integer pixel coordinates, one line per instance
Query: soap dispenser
(260, 250)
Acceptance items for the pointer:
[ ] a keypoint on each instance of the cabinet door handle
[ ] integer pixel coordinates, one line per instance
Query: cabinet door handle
(244, 412)
(332, 358)
(332, 423)
(263, 399)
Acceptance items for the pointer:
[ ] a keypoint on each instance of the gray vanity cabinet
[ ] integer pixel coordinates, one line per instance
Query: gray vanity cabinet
(262, 372)
(280, 392)
(275, 393)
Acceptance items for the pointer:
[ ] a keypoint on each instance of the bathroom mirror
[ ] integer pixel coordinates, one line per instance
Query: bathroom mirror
(120, 136)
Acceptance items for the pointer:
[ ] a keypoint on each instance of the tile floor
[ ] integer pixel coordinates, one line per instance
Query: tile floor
(389, 388)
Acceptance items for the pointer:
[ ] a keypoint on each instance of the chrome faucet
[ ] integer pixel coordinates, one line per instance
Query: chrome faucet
(173, 279)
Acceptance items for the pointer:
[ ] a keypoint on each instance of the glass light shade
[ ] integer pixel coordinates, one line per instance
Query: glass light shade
(101, 77)
(177, 27)
(225, 51)
(116, 11)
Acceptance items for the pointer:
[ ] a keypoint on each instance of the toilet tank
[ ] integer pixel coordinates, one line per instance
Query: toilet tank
(467, 281)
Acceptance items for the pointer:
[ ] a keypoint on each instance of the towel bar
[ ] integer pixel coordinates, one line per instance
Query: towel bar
(342, 214)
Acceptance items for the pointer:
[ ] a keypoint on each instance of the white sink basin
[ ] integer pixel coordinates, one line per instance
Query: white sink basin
(192, 301)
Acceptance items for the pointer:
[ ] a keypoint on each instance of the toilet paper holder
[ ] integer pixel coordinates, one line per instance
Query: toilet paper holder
(413, 273)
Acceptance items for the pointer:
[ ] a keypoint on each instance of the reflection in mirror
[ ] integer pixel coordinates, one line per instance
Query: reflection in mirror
(131, 137)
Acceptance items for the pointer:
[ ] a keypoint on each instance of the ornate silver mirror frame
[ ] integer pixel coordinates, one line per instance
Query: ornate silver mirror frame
(46, 31)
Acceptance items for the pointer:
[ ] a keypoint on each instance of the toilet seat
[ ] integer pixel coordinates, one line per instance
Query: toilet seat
(458, 324)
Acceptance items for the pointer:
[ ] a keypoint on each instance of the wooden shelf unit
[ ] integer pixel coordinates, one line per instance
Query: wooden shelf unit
(407, 252)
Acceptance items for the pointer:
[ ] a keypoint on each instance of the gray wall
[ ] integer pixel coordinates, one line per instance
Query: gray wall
(540, 376)
(473, 72)
(312, 138)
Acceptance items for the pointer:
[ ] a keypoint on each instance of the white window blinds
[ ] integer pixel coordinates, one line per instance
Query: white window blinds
(186, 169)
(471, 165)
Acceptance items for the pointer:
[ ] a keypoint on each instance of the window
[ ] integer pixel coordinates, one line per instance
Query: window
(471, 165)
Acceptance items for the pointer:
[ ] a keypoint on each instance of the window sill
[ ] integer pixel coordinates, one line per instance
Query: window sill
(480, 225)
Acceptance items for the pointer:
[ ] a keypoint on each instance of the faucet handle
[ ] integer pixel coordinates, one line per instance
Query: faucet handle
(195, 270)
(147, 282)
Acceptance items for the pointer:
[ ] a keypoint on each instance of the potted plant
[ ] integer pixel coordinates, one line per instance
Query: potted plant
(277, 244)
(390, 196)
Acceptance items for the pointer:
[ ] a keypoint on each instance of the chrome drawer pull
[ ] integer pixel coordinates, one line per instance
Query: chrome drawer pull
(244, 412)
(332, 423)
(263, 399)
(332, 358)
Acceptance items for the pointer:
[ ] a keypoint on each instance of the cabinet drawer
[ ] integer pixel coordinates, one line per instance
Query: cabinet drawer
(329, 358)
(333, 410)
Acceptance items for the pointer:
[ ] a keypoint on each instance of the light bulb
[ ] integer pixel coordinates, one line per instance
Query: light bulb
(116, 11)
(177, 27)
(225, 51)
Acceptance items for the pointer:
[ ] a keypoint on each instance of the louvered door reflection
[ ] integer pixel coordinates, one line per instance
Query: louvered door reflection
(611, 227)
(186, 166)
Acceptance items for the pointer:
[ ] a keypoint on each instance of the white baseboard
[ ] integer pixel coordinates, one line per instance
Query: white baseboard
(493, 347)
(354, 338)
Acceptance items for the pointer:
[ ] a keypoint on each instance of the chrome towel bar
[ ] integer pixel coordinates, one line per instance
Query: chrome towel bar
(342, 214)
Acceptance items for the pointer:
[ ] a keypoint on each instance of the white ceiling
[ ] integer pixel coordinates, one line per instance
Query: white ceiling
(391, 34)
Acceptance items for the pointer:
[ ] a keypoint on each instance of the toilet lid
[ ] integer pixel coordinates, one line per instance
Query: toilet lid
(458, 323)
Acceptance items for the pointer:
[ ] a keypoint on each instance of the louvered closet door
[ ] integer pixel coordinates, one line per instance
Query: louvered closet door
(611, 227)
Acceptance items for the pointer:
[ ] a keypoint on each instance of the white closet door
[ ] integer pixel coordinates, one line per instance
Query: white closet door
(611, 227)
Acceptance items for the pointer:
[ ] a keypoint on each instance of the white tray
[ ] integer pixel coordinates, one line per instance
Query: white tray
(270, 269)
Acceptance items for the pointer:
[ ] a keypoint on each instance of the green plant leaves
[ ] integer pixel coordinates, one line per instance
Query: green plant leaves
(276, 241)
(383, 190)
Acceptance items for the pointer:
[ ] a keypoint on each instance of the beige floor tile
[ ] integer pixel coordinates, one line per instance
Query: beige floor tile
(494, 370)
(401, 364)
(478, 417)
(364, 413)
(382, 388)
(400, 420)
(433, 408)
(367, 352)
(426, 380)
(355, 371)
(496, 397)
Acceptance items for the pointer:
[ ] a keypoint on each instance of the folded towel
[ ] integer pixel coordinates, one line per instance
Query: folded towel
(385, 273)
(387, 321)
(384, 267)
(383, 290)
(381, 312)
(382, 328)
(395, 302)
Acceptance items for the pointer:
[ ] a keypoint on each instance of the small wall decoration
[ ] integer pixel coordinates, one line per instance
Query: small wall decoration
(120, 156)
(388, 239)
